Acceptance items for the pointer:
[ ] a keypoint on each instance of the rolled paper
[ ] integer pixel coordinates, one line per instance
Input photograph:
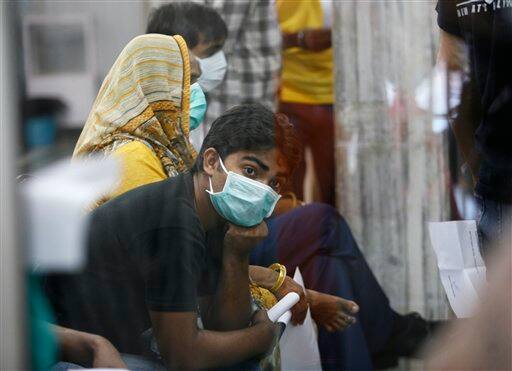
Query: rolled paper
(282, 306)
(285, 318)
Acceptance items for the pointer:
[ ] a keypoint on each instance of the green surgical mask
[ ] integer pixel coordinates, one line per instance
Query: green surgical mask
(197, 106)
(243, 201)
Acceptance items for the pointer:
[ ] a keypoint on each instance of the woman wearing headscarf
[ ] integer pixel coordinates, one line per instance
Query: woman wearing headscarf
(141, 113)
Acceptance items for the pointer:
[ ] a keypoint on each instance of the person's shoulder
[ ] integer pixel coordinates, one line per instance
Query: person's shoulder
(447, 17)
(179, 205)
(171, 198)
(148, 196)
(162, 206)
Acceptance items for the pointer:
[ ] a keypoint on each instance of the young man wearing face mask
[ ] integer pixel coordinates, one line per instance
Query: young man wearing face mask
(205, 32)
(160, 252)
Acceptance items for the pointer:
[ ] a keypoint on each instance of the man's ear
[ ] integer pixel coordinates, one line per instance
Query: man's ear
(210, 161)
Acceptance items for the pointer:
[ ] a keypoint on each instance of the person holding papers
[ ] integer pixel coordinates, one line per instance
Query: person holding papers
(476, 36)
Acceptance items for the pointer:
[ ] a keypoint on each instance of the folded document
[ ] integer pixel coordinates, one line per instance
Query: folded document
(461, 266)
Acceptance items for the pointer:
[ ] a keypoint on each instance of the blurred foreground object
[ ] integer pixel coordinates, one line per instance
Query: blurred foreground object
(483, 342)
(12, 292)
(55, 203)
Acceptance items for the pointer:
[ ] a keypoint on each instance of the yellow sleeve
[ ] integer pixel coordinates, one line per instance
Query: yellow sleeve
(140, 166)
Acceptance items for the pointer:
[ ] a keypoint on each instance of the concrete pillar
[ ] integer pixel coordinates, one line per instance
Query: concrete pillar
(391, 165)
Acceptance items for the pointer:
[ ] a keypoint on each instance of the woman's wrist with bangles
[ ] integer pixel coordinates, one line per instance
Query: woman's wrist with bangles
(268, 278)
(281, 270)
(263, 276)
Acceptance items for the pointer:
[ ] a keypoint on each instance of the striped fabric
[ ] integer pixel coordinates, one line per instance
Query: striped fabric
(145, 97)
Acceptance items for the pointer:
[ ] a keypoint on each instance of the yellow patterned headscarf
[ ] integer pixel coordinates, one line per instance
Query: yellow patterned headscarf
(145, 97)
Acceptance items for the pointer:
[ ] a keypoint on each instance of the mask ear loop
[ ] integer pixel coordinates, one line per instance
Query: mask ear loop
(210, 191)
(222, 165)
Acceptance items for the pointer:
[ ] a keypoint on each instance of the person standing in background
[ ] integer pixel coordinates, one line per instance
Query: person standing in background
(253, 53)
(306, 93)
(205, 33)
(479, 34)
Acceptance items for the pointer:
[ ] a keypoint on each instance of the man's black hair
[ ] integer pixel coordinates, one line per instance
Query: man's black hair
(251, 127)
(194, 22)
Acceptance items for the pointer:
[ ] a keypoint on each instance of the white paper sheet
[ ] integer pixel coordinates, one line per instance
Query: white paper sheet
(299, 344)
(461, 266)
(55, 203)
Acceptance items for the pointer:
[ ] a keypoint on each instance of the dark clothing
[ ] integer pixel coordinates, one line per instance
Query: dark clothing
(315, 127)
(494, 224)
(147, 251)
(331, 262)
(494, 183)
(486, 27)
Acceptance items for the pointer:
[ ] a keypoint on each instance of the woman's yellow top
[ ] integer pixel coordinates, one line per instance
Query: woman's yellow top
(139, 165)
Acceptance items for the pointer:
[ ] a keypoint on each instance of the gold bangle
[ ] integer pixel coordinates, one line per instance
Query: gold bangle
(281, 269)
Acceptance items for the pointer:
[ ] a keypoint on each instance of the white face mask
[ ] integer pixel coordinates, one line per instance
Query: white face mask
(213, 70)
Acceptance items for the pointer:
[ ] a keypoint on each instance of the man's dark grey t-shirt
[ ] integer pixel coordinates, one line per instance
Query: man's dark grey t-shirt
(146, 251)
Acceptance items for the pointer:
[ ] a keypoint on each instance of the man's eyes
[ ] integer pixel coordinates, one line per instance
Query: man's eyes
(249, 171)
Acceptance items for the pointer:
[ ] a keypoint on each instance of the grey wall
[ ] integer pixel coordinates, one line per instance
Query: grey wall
(115, 23)
(392, 168)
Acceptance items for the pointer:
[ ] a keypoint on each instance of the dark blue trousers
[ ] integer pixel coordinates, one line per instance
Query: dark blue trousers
(494, 226)
(318, 240)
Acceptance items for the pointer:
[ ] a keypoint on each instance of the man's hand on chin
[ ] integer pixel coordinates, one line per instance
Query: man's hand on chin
(240, 240)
